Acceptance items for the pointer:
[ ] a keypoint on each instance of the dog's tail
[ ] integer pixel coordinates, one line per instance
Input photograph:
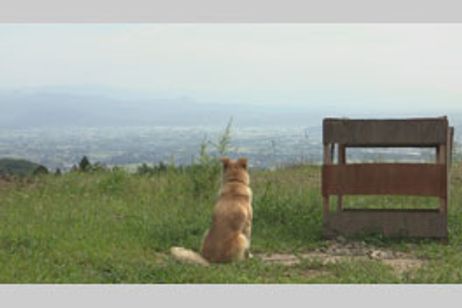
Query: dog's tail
(188, 256)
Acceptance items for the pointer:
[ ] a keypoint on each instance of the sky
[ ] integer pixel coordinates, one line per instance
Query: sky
(401, 66)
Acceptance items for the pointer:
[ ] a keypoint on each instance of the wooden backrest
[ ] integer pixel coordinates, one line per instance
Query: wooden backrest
(387, 179)
(424, 132)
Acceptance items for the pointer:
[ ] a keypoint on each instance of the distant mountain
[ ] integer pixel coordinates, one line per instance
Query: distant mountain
(53, 108)
(21, 167)
(103, 107)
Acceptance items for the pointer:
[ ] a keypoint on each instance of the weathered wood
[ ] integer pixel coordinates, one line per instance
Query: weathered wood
(390, 223)
(442, 154)
(423, 132)
(437, 154)
(341, 161)
(341, 154)
(327, 158)
(451, 145)
(442, 159)
(450, 148)
(385, 179)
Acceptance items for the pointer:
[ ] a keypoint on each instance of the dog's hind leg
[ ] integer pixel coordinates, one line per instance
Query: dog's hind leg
(239, 248)
(247, 232)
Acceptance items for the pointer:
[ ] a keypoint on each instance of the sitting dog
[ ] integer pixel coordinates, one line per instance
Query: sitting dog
(228, 239)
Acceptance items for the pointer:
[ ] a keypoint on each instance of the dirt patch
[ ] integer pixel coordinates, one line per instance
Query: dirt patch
(402, 266)
(344, 251)
(326, 259)
(280, 258)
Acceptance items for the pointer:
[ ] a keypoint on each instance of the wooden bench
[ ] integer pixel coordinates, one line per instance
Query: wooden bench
(412, 179)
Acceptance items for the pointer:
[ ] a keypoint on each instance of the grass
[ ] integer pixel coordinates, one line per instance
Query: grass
(116, 227)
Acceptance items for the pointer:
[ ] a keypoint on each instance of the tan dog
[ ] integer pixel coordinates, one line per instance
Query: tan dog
(229, 237)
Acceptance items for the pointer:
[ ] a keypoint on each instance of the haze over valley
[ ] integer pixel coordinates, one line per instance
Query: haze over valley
(57, 127)
(126, 94)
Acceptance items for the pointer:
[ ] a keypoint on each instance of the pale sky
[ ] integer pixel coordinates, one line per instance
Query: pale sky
(339, 64)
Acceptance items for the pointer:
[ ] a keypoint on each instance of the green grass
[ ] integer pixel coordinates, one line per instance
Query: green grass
(116, 227)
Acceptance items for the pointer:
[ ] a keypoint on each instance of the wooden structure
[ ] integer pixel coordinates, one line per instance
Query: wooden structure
(414, 179)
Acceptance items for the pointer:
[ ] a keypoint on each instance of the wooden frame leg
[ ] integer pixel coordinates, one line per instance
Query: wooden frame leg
(327, 158)
(341, 161)
(325, 201)
(442, 158)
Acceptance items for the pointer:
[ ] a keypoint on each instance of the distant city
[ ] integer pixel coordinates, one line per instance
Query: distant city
(266, 147)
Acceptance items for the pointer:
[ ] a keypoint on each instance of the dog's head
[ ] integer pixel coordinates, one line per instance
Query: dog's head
(235, 170)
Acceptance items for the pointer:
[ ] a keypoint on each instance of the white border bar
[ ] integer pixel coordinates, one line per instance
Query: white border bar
(225, 11)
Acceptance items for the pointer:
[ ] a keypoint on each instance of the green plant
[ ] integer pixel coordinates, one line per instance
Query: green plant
(205, 172)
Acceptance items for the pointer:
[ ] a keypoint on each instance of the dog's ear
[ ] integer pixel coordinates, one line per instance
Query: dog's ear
(242, 162)
(225, 161)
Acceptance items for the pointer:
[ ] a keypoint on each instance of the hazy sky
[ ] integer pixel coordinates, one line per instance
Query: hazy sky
(417, 65)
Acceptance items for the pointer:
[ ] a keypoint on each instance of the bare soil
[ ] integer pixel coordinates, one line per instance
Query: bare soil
(343, 251)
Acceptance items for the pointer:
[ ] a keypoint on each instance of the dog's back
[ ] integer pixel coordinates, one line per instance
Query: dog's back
(229, 237)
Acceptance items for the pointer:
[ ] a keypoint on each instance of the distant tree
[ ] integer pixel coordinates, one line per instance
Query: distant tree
(98, 167)
(58, 171)
(143, 169)
(161, 167)
(74, 168)
(40, 170)
(116, 169)
(84, 164)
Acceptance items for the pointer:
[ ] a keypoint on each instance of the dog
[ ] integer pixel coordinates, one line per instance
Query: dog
(228, 239)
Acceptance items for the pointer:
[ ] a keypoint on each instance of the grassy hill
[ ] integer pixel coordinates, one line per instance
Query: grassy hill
(19, 167)
(112, 226)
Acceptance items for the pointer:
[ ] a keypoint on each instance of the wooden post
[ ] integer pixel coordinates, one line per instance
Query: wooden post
(327, 159)
(341, 161)
(437, 154)
(450, 146)
(443, 159)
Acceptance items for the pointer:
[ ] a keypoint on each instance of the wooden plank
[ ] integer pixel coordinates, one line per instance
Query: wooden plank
(424, 132)
(385, 179)
(390, 223)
